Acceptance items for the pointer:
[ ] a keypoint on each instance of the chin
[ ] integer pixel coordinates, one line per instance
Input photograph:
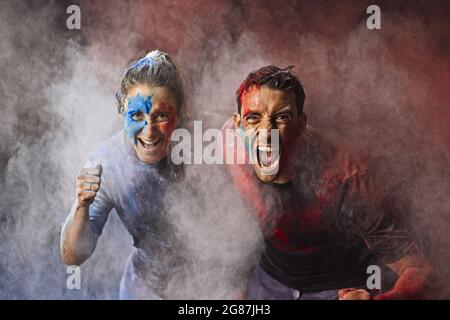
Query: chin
(152, 159)
(265, 174)
(275, 173)
(266, 178)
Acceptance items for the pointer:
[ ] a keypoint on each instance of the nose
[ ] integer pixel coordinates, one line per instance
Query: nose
(265, 131)
(150, 130)
(266, 123)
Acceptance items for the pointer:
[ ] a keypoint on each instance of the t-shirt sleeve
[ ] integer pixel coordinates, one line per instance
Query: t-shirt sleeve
(369, 214)
(102, 205)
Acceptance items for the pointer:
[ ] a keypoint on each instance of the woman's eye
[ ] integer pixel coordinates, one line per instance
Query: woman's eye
(162, 117)
(138, 116)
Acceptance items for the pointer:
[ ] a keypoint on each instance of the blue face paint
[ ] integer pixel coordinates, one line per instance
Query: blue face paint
(138, 106)
(247, 143)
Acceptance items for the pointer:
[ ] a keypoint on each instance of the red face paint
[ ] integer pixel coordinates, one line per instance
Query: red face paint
(265, 109)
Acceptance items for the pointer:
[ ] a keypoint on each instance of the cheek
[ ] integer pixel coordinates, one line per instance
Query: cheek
(132, 127)
(289, 135)
(168, 127)
(248, 137)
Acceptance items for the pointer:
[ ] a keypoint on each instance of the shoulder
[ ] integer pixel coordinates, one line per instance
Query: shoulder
(348, 175)
(336, 158)
(327, 164)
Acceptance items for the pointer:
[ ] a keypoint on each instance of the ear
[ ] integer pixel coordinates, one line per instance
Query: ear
(302, 123)
(302, 120)
(237, 120)
(178, 115)
(183, 113)
(125, 106)
(122, 110)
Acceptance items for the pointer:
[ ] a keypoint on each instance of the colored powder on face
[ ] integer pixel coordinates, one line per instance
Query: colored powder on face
(247, 143)
(136, 104)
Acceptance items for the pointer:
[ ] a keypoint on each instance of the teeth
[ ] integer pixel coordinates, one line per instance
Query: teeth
(149, 142)
(265, 148)
(267, 156)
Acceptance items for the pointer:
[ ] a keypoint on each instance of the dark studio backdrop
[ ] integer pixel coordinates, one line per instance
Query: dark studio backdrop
(385, 91)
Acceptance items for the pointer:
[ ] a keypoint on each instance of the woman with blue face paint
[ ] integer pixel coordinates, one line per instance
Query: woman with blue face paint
(131, 173)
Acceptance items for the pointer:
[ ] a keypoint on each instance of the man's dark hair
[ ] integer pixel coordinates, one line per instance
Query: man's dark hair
(274, 78)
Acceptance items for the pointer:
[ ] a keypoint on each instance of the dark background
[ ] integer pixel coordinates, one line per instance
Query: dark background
(385, 91)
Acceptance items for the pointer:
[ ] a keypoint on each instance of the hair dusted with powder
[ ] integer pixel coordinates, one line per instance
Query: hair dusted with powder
(156, 69)
(274, 78)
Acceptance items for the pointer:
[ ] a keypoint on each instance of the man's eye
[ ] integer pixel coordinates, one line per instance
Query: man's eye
(162, 117)
(283, 118)
(252, 119)
(138, 116)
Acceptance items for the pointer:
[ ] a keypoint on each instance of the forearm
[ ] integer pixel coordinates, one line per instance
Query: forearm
(77, 240)
(413, 283)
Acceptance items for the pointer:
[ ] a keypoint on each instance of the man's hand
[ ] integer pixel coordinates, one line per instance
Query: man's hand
(353, 294)
(417, 279)
(88, 183)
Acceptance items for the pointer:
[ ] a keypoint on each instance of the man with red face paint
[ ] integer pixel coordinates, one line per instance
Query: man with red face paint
(323, 218)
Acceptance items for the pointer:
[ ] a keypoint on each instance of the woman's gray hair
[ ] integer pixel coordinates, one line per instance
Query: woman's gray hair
(155, 69)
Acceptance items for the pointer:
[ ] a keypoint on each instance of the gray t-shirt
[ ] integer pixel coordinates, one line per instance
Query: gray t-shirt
(136, 190)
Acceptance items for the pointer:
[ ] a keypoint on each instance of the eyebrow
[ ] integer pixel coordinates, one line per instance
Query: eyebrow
(284, 109)
(162, 106)
(250, 112)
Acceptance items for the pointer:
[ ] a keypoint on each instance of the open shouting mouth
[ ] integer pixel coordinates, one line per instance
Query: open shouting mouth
(268, 158)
